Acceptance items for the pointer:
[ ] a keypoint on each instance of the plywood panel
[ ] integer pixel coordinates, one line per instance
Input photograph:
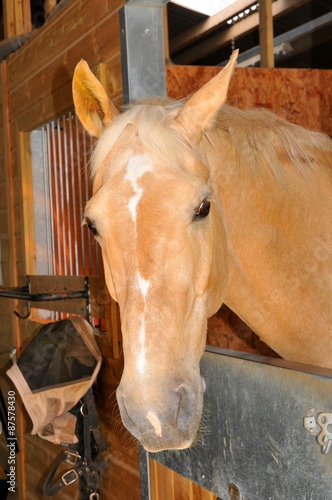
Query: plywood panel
(298, 95)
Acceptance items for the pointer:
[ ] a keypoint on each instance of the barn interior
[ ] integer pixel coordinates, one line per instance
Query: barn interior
(284, 65)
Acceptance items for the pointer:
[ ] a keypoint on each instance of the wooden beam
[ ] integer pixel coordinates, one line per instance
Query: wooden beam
(11, 334)
(27, 204)
(26, 25)
(240, 28)
(166, 40)
(211, 23)
(266, 33)
(16, 17)
(49, 6)
(218, 41)
(8, 174)
(9, 18)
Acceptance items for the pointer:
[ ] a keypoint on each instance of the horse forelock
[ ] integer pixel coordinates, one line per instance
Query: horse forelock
(150, 122)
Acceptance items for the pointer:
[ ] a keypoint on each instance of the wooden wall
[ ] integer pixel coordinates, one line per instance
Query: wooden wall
(35, 88)
(166, 484)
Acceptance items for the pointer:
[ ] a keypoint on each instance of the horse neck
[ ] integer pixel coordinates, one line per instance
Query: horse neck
(273, 278)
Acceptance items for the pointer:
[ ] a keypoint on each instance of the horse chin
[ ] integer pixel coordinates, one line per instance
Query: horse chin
(156, 433)
(173, 439)
(170, 420)
(158, 447)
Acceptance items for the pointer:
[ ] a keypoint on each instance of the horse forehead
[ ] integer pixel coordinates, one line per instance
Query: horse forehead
(137, 166)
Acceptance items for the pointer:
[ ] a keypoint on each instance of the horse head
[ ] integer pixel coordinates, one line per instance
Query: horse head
(156, 214)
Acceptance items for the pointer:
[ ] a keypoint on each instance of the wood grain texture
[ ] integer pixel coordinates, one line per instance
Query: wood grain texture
(298, 95)
(166, 484)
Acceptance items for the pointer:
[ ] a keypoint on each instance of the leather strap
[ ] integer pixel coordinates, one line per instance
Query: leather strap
(82, 456)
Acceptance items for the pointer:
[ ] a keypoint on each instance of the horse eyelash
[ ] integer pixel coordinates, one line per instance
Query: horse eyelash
(198, 214)
(91, 226)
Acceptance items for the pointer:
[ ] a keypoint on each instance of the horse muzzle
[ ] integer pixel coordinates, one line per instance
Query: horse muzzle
(166, 421)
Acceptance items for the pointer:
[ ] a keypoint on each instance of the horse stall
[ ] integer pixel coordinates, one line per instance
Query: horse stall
(267, 428)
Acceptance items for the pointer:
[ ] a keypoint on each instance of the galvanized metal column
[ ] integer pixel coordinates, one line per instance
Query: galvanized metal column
(142, 49)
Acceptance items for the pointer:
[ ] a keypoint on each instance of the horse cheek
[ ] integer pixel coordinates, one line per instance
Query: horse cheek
(219, 270)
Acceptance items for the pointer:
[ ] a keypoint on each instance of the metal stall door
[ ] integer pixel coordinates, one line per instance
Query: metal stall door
(66, 260)
(267, 431)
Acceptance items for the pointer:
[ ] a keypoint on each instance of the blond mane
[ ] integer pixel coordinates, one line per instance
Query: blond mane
(260, 139)
(263, 142)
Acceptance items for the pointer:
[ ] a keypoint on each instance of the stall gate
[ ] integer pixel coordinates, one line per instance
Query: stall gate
(267, 432)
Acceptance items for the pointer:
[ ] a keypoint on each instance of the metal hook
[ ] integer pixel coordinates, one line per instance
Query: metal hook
(24, 316)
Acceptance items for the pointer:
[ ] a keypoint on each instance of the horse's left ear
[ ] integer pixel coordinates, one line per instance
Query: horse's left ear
(199, 111)
(92, 105)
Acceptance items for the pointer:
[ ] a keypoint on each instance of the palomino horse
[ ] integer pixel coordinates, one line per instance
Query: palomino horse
(194, 204)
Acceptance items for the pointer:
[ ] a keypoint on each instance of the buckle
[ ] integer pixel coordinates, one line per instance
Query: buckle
(72, 457)
(84, 409)
(72, 473)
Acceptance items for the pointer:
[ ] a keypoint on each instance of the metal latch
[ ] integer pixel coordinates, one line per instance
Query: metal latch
(319, 423)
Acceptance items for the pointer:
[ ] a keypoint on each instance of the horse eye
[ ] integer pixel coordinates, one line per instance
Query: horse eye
(91, 227)
(203, 210)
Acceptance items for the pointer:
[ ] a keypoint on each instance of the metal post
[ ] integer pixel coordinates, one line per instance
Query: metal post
(142, 49)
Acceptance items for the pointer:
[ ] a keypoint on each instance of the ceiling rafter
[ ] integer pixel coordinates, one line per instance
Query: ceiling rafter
(210, 24)
(240, 28)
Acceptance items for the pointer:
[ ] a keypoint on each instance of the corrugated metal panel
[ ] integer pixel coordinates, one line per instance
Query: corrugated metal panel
(60, 155)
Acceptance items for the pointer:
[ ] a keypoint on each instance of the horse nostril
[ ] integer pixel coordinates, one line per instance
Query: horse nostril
(126, 419)
(187, 408)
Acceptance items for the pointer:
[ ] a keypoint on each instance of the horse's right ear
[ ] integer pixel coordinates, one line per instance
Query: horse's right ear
(198, 113)
(92, 105)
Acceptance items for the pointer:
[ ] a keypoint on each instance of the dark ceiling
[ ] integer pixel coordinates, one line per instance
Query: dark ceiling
(302, 30)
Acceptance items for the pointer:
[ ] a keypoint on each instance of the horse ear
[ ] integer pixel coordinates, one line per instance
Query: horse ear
(198, 112)
(92, 105)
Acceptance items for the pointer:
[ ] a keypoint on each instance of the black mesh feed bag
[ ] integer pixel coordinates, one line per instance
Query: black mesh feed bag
(53, 373)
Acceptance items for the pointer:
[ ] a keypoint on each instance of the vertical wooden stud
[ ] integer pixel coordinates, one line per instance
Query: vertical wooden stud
(166, 39)
(49, 6)
(27, 210)
(266, 33)
(17, 17)
(15, 327)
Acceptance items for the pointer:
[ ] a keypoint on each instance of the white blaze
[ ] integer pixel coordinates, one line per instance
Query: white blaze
(143, 285)
(137, 166)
